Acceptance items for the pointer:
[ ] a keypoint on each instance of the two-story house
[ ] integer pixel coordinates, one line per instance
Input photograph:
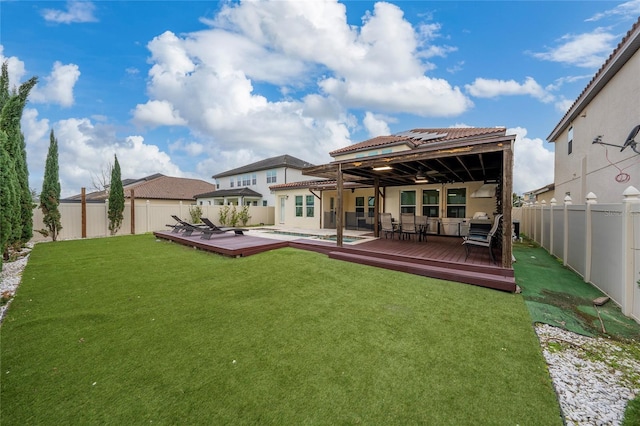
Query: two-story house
(249, 185)
(590, 151)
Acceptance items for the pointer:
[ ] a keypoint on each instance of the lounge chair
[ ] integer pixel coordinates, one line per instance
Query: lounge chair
(213, 229)
(481, 239)
(185, 227)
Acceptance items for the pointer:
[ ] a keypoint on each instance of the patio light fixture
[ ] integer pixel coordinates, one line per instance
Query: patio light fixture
(382, 168)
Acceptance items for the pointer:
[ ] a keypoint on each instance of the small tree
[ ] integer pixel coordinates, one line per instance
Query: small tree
(244, 215)
(223, 215)
(116, 199)
(50, 196)
(195, 212)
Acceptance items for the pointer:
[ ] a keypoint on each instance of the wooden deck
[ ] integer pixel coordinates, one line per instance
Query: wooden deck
(439, 257)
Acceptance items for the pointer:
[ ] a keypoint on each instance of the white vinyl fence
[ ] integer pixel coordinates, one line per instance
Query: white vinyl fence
(149, 217)
(600, 242)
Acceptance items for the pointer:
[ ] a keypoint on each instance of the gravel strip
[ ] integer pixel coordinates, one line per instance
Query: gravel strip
(594, 378)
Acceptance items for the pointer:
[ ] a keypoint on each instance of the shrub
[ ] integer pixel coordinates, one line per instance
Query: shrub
(195, 212)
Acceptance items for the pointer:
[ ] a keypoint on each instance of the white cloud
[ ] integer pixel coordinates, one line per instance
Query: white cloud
(76, 12)
(83, 150)
(588, 50)
(158, 113)
(15, 68)
(57, 87)
(628, 9)
(487, 88)
(532, 163)
(376, 125)
(193, 149)
(209, 76)
(563, 105)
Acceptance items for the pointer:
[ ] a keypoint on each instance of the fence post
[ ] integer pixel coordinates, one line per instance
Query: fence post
(535, 222)
(591, 200)
(552, 204)
(565, 238)
(543, 204)
(83, 211)
(106, 217)
(631, 196)
(147, 215)
(133, 213)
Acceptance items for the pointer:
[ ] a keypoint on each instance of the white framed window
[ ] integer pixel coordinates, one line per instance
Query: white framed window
(231, 181)
(246, 180)
(254, 179)
(570, 141)
(408, 202)
(310, 205)
(272, 176)
(299, 206)
(456, 202)
(430, 203)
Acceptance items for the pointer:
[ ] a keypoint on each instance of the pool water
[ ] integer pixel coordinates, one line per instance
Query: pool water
(319, 237)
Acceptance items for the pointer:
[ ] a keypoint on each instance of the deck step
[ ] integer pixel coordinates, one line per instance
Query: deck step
(470, 267)
(490, 280)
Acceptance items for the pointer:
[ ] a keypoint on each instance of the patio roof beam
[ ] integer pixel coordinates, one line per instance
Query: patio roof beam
(465, 168)
(452, 172)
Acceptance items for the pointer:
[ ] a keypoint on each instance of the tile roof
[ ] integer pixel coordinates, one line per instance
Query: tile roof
(269, 163)
(157, 187)
(627, 47)
(422, 137)
(237, 192)
(311, 184)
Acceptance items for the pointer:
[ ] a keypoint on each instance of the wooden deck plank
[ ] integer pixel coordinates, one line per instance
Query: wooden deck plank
(439, 257)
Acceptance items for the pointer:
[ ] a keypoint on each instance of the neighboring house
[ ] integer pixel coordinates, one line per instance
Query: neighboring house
(546, 193)
(589, 138)
(155, 188)
(249, 185)
(449, 175)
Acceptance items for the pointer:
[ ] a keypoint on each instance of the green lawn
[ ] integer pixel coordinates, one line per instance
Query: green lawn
(130, 330)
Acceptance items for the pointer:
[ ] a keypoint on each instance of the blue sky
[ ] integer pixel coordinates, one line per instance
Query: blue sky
(193, 88)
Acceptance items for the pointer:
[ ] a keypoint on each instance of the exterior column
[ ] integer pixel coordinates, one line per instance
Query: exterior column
(339, 207)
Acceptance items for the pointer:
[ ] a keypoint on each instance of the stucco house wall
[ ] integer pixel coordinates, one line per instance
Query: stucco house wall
(610, 115)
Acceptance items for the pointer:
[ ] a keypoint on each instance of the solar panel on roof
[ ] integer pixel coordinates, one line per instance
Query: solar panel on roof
(421, 136)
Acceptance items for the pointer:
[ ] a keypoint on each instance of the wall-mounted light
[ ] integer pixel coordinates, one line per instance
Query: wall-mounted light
(382, 168)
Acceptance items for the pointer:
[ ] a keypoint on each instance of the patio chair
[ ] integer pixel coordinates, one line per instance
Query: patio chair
(213, 229)
(481, 239)
(408, 225)
(423, 225)
(185, 227)
(386, 225)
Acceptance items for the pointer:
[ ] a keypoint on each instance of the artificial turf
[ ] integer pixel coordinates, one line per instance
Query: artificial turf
(133, 330)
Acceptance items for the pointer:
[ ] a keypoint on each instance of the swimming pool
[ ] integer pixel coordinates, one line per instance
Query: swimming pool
(349, 239)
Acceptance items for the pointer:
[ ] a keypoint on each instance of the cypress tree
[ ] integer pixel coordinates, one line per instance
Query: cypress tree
(21, 213)
(50, 196)
(12, 209)
(116, 199)
(7, 197)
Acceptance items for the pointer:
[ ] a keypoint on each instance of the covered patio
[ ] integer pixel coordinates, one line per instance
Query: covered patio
(420, 156)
